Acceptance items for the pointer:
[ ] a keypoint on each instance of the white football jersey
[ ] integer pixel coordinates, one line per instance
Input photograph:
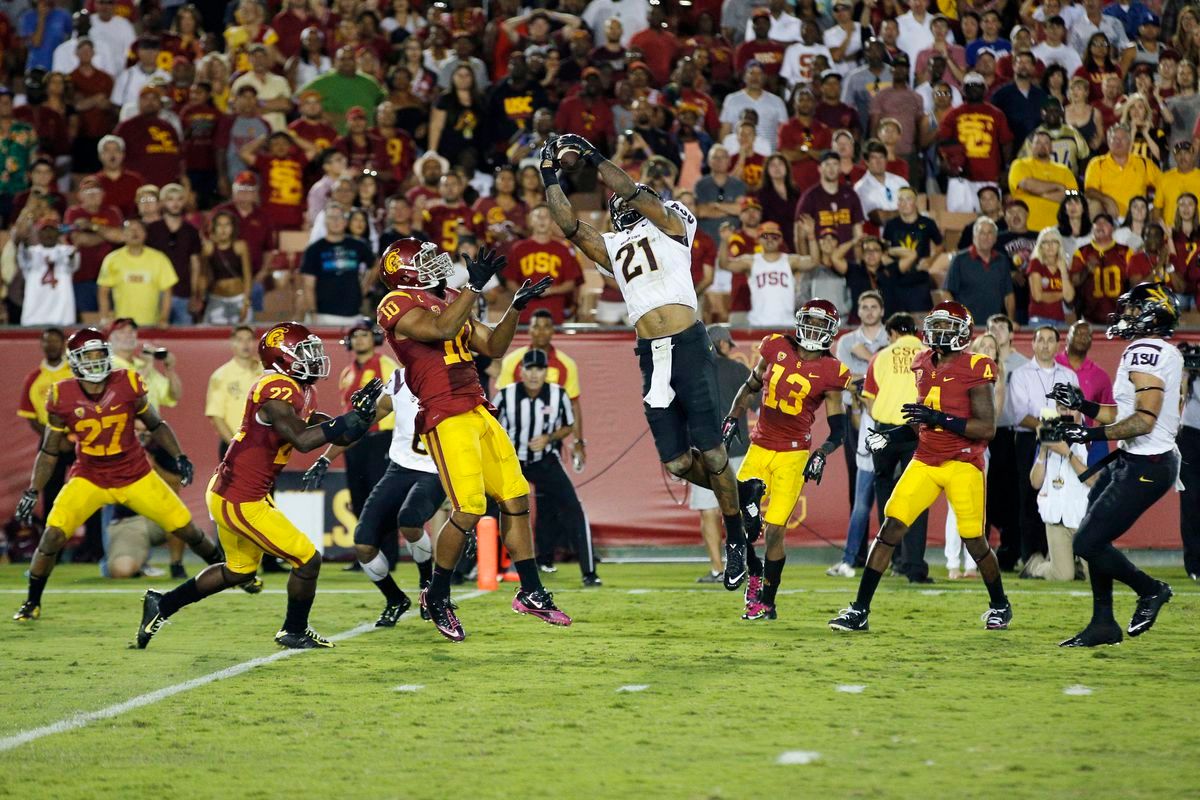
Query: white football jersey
(407, 449)
(49, 291)
(651, 268)
(772, 293)
(1161, 359)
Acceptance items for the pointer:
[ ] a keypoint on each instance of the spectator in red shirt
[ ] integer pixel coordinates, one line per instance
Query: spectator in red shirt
(658, 46)
(831, 203)
(92, 90)
(612, 52)
(544, 254)
(501, 218)
(312, 126)
(979, 133)
(362, 147)
(200, 118)
(119, 185)
(831, 111)
(704, 251)
(281, 171)
(399, 151)
(764, 50)
(684, 88)
(1100, 272)
(96, 230)
(803, 137)
(428, 169)
(153, 146)
(587, 113)
(442, 218)
(291, 20)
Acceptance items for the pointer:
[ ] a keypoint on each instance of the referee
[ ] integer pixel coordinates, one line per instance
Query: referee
(537, 416)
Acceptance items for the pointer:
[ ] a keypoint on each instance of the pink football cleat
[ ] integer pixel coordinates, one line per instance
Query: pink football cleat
(443, 616)
(757, 610)
(540, 604)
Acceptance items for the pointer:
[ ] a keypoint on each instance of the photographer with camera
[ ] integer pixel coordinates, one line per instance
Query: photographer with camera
(1189, 473)
(163, 388)
(1062, 498)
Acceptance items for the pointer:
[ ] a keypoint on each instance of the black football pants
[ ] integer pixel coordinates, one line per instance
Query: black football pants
(1002, 486)
(909, 557)
(1189, 498)
(558, 513)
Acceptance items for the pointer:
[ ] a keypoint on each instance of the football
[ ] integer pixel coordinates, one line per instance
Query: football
(570, 157)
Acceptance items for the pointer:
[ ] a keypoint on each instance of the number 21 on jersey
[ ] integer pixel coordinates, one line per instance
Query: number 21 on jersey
(634, 263)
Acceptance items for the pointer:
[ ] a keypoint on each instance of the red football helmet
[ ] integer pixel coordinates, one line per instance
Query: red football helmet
(291, 349)
(413, 264)
(817, 324)
(948, 327)
(89, 355)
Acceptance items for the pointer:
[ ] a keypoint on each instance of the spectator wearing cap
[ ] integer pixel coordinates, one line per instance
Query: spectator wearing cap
(179, 241)
(464, 53)
(831, 111)
(153, 146)
(770, 109)
(900, 103)
(1146, 44)
(311, 125)
(760, 48)
(200, 119)
(865, 82)
(1021, 100)
(236, 130)
(1184, 178)
(129, 84)
(273, 92)
(164, 388)
(989, 39)
(1054, 50)
(1115, 177)
(631, 14)
(42, 29)
(135, 281)
(784, 27)
(980, 277)
(980, 134)
(843, 38)
(879, 190)
(799, 60)
(744, 241)
(345, 88)
(771, 276)
(831, 203)
(536, 414)
(1093, 21)
(254, 227)
(119, 184)
(658, 45)
(96, 229)
(361, 146)
(916, 28)
(587, 113)
(1040, 182)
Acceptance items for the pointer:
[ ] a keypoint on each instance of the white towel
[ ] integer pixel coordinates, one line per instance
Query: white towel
(661, 394)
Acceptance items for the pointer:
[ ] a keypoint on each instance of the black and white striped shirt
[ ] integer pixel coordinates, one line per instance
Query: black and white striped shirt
(524, 417)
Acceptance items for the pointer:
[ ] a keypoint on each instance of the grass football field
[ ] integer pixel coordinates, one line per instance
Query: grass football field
(658, 690)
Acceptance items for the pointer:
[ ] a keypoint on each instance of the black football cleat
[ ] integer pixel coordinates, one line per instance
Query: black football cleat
(851, 618)
(28, 612)
(750, 494)
(1147, 610)
(997, 619)
(735, 566)
(393, 612)
(152, 620)
(1095, 635)
(441, 612)
(177, 571)
(309, 640)
(592, 580)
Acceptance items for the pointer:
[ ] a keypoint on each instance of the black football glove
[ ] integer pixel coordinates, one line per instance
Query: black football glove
(1073, 433)
(185, 469)
(729, 430)
(314, 475)
(483, 267)
(877, 439)
(363, 401)
(1067, 395)
(815, 467)
(587, 150)
(919, 413)
(25, 506)
(549, 165)
(527, 293)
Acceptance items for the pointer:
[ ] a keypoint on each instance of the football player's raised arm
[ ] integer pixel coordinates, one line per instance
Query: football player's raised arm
(650, 206)
(284, 420)
(749, 390)
(53, 440)
(583, 235)
(982, 422)
(160, 432)
(1149, 391)
(381, 410)
(425, 326)
(494, 342)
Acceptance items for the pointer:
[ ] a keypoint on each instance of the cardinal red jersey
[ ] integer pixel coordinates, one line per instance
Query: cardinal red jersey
(946, 386)
(371, 152)
(152, 147)
(200, 121)
(121, 191)
(498, 227)
(795, 135)
(282, 182)
(793, 390)
(441, 374)
(107, 451)
(257, 454)
(982, 129)
(321, 134)
(530, 260)
(399, 154)
(1105, 279)
(441, 224)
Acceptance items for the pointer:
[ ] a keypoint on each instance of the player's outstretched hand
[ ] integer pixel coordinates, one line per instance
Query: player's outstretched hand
(921, 414)
(1067, 395)
(25, 506)
(364, 400)
(527, 293)
(549, 165)
(1073, 433)
(815, 467)
(483, 267)
(729, 430)
(587, 150)
(877, 439)
(185, 469)
(314, 476)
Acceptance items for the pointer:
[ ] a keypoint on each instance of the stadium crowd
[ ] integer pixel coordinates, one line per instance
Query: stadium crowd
(185, 163)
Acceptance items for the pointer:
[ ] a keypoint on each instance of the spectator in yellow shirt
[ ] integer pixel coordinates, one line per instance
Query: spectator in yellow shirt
(230, 384)
(135, 281)
(1184, 179)
(1113, 179)
(163, 389)
(1040, 182)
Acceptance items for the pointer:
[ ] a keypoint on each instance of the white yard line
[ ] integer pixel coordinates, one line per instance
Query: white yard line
(636, 591)
(87, 717)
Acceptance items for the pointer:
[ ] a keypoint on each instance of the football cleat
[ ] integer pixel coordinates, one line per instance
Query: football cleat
(1147, 610)
(841, 570)
(851, 618)
(177, 571)
(735, 566)
(753, 589)
(393, 612)
(711, 577)
(757, 610)
(539, 603)
(1095, 635)
(997, 619)
(443, 616)
(549, 569)
(28, 611)
(309, 640)
(152, 620)
(750, 494)
(592, 580)
(253, 586)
